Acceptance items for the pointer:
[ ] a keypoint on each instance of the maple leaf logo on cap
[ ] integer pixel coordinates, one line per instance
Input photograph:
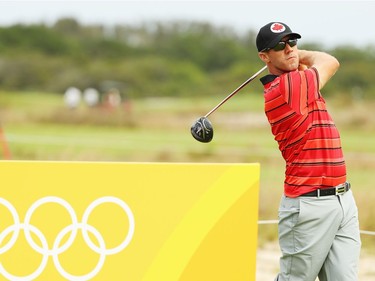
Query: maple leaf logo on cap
(277, 27)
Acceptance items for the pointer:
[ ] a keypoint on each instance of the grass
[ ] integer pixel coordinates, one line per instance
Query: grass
(39, 127)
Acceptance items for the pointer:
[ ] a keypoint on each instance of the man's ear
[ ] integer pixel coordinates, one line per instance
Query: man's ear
(264, 57)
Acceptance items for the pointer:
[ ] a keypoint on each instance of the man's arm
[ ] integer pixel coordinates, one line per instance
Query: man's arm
(325, 64)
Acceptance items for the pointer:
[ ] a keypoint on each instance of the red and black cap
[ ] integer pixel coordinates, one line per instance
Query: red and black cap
(272, 33)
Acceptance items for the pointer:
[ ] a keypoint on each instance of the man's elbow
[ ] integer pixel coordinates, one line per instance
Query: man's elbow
(335, 64)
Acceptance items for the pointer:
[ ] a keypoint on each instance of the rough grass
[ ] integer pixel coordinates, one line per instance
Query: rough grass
(39, 127)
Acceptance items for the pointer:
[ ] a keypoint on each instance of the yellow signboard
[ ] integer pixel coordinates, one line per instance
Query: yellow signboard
(128, 221)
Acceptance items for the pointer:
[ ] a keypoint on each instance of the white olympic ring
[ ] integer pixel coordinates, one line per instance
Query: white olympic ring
(57, 248)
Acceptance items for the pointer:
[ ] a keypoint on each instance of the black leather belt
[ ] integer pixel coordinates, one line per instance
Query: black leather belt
(337, 190)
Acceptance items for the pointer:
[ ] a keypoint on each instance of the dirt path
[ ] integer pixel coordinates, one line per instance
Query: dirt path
(268, 264)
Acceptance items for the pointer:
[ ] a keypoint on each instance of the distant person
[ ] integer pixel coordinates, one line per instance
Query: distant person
(318, 217)
(72, 97)
(91, 97)
(4, 145)
(112, 98)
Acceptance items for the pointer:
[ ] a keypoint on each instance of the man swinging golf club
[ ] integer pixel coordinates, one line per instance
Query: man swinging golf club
(318, 217)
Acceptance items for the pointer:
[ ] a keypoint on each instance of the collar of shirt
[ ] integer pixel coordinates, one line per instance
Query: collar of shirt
(268, 79)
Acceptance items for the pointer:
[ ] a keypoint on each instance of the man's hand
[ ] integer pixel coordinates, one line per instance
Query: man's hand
(302, 67)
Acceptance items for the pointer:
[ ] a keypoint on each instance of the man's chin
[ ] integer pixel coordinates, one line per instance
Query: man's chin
(293, 67)
(290, 68)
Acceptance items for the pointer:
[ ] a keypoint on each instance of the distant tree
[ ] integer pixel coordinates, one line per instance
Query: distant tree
(33, 38)
(68, 26)
(152, 58)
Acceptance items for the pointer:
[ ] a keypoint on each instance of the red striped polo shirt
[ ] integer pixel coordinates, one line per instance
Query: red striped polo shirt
(306, 134)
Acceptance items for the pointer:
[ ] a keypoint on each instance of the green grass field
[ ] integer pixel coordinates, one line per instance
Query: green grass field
(39, 127)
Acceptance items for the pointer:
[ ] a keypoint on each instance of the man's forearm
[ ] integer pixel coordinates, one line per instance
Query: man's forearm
(325, 64)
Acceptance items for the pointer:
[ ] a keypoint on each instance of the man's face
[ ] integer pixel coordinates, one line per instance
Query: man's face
(281, 61)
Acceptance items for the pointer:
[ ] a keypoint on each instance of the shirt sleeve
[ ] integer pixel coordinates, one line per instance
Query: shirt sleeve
(300, 88)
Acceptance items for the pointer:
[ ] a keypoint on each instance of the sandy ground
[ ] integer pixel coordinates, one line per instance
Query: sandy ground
(268, 264)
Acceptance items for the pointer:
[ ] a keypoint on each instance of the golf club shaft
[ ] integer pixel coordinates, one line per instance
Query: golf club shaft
(236, 91)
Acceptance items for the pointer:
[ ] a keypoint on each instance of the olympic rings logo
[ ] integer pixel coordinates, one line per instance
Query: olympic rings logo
(57, 249)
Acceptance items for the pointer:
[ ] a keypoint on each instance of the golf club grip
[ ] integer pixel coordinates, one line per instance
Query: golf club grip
(236, 90)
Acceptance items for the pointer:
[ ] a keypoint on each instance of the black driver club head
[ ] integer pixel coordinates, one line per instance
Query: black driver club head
(202, 130)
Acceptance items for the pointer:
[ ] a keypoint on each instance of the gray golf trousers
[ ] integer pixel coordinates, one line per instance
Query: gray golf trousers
(319, 237)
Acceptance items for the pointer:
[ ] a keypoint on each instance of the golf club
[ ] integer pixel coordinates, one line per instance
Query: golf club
(202, 129)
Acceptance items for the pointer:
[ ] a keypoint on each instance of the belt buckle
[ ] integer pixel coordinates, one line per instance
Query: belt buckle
(340, 189)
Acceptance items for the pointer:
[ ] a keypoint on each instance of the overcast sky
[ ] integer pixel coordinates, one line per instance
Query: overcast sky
(329, 23)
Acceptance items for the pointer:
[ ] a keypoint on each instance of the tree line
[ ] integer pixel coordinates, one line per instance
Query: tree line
(152, 59)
